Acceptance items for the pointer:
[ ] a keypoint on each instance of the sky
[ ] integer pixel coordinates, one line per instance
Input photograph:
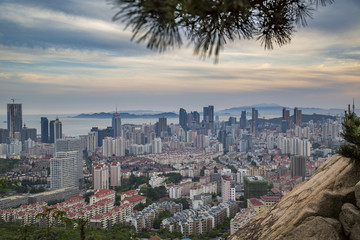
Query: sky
(69, 57)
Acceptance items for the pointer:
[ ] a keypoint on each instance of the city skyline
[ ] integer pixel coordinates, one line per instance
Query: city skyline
(70, 58)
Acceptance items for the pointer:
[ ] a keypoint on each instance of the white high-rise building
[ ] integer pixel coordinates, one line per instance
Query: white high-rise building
(63, 170)
(107, 147)
(115, 174)
(92, 141)
(119, 146)
(100, 175)
(157, 145)
(73, 144)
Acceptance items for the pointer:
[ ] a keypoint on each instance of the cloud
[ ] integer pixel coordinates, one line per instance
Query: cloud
(70, 52)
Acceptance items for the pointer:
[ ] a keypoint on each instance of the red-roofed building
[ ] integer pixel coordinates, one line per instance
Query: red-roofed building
(256, 204)
(134, 200)
(269, 200)
(102, 194)
(129, 193)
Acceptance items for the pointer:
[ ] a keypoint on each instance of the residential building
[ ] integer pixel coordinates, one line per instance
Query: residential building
(115, 174)
(100, 175)
(14, 120)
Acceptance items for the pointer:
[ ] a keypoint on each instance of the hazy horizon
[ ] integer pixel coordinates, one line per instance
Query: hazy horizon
(69, 57)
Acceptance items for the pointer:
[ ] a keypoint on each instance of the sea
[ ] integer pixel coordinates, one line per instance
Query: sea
(81, 126)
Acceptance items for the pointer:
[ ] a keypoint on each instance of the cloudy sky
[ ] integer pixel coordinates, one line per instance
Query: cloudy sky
(68, 56)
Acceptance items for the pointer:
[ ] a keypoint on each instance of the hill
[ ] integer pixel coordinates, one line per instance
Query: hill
(327, 206)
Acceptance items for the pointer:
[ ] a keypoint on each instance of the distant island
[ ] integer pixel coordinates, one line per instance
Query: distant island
(104, 115)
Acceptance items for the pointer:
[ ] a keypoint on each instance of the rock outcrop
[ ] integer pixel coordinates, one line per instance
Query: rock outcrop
(327, 206)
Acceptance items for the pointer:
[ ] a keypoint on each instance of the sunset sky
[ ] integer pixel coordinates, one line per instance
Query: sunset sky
(69, 57)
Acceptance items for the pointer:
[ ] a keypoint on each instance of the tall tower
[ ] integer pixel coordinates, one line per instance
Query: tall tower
(254, 124)
(44, 130)
(297, 117)
(183, 118)
(14, 120)
(55, 130)
(243, 120)
(209, 114)
(116, 124)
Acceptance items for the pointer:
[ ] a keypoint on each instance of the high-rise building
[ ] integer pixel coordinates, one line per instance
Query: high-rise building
(100, 176)
(63, 170)
(4, 136)
(243, 120)
(162, 127)
(116, 125)
(157, 145)
(92, 141)
(227, 189)
(208, 114)
(27, 133)
(73, 145)
(115, 174)
(208, 120)
(55, 130)
(44, 130)
(14, 120)
(254, 186)
(183, 118)
(298, 166)
(297, 117)
(286, 120)
(254, 124)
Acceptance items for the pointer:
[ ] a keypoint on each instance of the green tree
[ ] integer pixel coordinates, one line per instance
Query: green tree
(351, 133)
(211, 24)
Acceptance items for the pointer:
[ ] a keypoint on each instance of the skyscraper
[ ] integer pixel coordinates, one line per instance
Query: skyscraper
(63, 170)
(183, 118)
(298, 166)
(27, 133)
(297, 117)
(208, 114)
(55, 130)
(14, 120)
(116, 124)
(243, 120)
(254, 124)
(286, 120)
(208, 120)
(162, 127)
(44, 130)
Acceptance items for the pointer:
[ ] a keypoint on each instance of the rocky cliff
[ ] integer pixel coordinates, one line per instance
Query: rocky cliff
(327, 206)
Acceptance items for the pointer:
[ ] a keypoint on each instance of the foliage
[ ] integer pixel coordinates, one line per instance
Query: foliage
(202, 172)
(6, 184)
(196, 179)
(215, 169)
(87, 196)
(12, 231)
(131, 183)
(184, 202)
(154, 193)
(351, 133)
(8, 164)
(173, 177)
(211, 24)
(141, 206)
(162, 216)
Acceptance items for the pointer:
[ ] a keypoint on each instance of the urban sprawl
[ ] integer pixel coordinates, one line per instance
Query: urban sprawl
(202, 171)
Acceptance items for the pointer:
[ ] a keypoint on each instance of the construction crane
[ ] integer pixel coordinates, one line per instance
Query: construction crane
(13, 99)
